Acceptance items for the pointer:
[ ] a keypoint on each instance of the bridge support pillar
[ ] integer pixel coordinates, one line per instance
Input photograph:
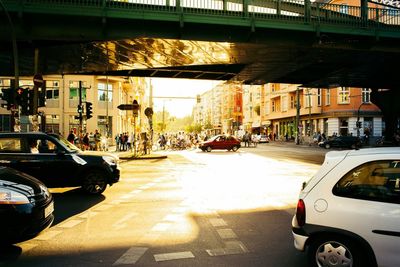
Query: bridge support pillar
(307, 10)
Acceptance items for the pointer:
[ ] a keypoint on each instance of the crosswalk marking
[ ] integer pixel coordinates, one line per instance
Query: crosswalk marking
(173, 256)
(70, 223)
(131, 256)
(226, 233)
(217, 222)
(48, 235)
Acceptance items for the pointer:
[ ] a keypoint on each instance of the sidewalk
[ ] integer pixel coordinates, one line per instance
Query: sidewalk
(129, 155)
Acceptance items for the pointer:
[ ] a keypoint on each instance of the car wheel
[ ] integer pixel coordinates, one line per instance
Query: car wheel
(209, 149)
(353, 146)
(94, 182)
(327, 146)
(334, 251)
(235, 148)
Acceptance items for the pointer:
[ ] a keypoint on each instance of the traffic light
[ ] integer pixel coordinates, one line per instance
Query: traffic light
(8, 95)
(198, 99)
(29, 105)
(79, 110)
(89, 110)
(42, 96)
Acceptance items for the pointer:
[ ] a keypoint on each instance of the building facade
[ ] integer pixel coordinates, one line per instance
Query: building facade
(60, 115)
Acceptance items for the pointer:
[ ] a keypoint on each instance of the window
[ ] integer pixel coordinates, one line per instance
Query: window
(319, 97)
(292, 102)
(52, 89)
(328, 97)
(376, 180)
(74, 90)
(366, 95)
(344, 8)
(103, 93)
(284, 103)
(273, 106)
(344, 95)
(10, 145)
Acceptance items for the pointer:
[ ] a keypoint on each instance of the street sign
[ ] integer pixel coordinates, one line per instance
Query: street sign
(126, 107)
(38, 80)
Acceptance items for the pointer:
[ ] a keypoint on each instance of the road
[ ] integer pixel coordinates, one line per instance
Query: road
(192, 209)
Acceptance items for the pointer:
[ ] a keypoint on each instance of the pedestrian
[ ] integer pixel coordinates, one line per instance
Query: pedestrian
(97, 139)
(85, 141)
(71, 137)
(117, 140)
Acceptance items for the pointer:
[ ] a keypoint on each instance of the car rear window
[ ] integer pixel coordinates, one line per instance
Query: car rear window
(10, 145)
(376, 180)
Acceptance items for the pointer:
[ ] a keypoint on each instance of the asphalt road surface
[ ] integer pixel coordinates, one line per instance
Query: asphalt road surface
(191, 209)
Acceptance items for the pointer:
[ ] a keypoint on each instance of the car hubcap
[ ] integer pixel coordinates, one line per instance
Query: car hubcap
(333, 254)
(94, 183)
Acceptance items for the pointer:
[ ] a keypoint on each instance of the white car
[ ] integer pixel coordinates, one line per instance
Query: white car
(348, 214)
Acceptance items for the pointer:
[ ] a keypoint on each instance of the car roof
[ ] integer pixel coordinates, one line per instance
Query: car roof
(364, 152)
(11, 134)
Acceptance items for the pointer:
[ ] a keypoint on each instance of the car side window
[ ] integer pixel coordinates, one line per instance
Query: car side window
(47, 146)
(376, 181)
(11, 145)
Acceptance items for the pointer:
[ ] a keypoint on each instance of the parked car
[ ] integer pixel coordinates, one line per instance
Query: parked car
(26, 206)
(348, 214)
(58, 163)
(341, 142)
(263, 139)
(228, 142)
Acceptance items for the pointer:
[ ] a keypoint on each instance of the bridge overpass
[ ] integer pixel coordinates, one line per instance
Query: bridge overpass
(254, 41)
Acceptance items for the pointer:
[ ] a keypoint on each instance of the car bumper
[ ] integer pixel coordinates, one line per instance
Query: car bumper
(299, 241)
(25, 222)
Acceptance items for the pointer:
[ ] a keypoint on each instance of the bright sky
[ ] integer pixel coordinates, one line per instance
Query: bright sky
(168, 87)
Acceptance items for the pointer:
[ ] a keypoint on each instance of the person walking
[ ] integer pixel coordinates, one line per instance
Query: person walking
(85, 141)
(97, 139)
(71, 137)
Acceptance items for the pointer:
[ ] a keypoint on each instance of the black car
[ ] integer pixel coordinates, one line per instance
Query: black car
(58, 163)
(341, 142)
(26, 206)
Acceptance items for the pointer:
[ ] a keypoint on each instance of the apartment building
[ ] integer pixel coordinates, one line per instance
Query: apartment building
(332, 111)
(62, 99)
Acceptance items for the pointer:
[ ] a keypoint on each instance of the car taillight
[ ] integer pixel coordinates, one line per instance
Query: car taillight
(301, 213)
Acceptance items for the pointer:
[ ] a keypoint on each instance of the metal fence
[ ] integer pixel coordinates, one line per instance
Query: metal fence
(282, 10)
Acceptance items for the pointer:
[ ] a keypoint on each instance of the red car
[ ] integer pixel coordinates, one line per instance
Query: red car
(220, 142)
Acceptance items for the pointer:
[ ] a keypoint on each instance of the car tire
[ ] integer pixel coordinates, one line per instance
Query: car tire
(335, 251)
(94, 182)
(208, 149)
(327, 146)
(353, 146)
(234, 148)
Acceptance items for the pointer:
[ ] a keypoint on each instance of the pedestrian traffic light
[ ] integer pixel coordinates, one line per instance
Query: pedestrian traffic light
(198, 99)
(89, 110)
(30, 105)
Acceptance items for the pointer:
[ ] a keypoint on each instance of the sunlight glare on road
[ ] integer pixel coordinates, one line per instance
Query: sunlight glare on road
(237, 183)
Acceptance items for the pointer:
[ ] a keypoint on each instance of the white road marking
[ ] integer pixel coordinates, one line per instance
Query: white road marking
(173, 218)
(131, 256)
(87, 215)
(70, 223)
(217, 222)
(173, 256)
(231, 248)
(121, 222)
(26, 246)
(48, 235)
(226, 233)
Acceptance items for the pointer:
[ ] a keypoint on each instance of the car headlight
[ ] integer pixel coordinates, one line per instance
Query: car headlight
(110, 160)
(8, 196)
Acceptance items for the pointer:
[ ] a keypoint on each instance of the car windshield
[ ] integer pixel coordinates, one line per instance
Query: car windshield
(68, 145)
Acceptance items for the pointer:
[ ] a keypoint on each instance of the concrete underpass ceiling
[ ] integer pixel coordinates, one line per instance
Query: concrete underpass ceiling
(309, 64)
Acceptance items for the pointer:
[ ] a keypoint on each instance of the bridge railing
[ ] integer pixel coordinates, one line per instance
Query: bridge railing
(282, 10)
